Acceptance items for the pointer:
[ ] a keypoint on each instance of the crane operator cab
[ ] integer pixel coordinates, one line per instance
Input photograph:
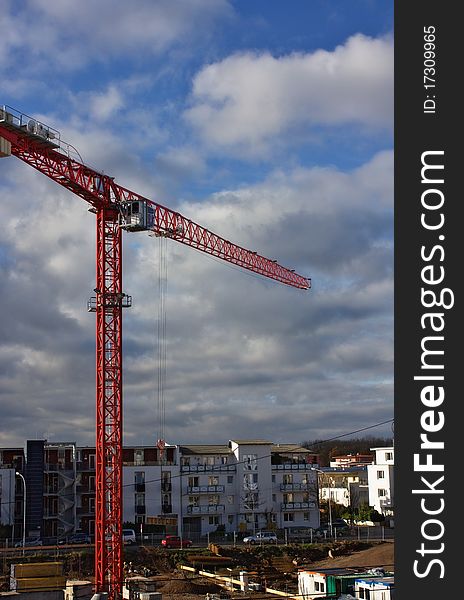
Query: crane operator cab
(137, 216)
(140, 215)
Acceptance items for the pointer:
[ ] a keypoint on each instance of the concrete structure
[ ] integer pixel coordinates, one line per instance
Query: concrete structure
(381, 482)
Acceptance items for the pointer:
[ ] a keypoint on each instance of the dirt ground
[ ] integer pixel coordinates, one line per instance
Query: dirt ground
(380, 555)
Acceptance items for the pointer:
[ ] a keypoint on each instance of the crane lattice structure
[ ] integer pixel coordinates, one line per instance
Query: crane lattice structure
(116, 209)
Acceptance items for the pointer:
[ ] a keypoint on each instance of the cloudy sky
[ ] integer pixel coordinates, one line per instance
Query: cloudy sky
(268, 122)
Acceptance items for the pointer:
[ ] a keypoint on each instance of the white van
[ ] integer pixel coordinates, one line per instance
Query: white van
(128, 536)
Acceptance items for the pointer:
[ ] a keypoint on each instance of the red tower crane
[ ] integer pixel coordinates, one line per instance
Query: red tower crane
(116, 208)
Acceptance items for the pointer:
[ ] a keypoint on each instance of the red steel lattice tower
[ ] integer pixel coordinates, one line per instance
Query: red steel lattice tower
(116, 208)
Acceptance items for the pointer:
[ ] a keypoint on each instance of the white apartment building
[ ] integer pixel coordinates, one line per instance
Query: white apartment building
(381, 482)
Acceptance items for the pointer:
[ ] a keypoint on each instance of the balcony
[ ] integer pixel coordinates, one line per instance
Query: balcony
(294, 487)
(86, 466)
(148, 463)
(297, 505)
(85, 511)
(205, 489)
(85, 489)
(52, 467)
(207, 468)
(206, 509)
(294, 467)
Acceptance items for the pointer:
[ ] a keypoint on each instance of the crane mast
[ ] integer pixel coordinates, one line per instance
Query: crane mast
(116, 209)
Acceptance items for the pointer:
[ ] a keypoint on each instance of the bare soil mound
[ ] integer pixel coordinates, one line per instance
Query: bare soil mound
(379, 555)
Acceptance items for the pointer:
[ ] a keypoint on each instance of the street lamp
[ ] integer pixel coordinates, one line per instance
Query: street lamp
(24, 511)
(330, 503)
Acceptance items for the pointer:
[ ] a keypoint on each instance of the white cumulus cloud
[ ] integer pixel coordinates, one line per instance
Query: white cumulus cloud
(247, 99)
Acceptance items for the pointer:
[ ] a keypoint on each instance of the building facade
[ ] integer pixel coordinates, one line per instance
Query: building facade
(242, 486)
(381, 482)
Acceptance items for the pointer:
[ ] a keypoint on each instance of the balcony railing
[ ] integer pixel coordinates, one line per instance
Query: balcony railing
(205, 489)
(297, 505)
(294, 487)
(85, 511)
(58, 467)
(294, 467)
(205, 468)
(206, 509)
(148, 463)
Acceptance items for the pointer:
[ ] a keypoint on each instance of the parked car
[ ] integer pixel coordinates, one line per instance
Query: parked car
(261, 537)
(174, 541)
(30, 542)
(128, 537)
(76, 538)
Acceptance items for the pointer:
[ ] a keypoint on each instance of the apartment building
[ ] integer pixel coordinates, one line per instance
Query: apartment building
(240, 486)
(381, 482)
(346, 485)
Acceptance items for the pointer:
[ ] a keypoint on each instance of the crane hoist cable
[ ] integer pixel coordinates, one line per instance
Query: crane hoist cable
(161, 340)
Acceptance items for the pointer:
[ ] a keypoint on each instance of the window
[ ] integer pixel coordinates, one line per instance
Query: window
(250, 462)
(288, 498)
(382, 493)
(388, 455)
(223, 460)
(193, 481)
(274, 497)
(214, 520)
(380, 474)
(306, 516)
(250, 481)
(213, 499)
(140, 519)
(194, 500)
(251, 501)
(230, 479)
(139, 477)
(138, 456)
(230, 499)
(230, 519)
(213, 480)
(273, 479)
(305, 497)
(289, 517)
(288, 479)
(139, 499)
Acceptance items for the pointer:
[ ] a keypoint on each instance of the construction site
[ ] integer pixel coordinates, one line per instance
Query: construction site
(217, 572)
